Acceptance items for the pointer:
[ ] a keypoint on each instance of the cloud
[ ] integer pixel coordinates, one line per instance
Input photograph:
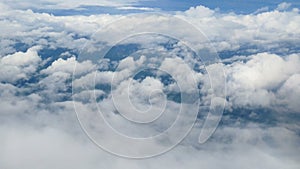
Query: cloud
(283, 6)
(38, 122)
(263, 9)
(249, 147)
(68, 4)
(185, 77)
(265, 70)
(136, 8)
(289, 93)
(199, 11)
(252, 31)
(19, 65)
(256, 30)
(261, 80)
(68, 66)
(25, 147)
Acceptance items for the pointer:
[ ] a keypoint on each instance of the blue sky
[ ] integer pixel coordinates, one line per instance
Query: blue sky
(238, 6)
(224, 6)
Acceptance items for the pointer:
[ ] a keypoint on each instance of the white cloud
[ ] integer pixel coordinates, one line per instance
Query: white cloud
(199, 12)
(289, 93)
(262, 79)
(252, 29)
(264, 70)
(23, 147)
(136, 8)
(186, 78)
(19, 65)
(46, 148)
(65, 4)
(69, 66)
(237, 30)
(283, 6)
(37, 124)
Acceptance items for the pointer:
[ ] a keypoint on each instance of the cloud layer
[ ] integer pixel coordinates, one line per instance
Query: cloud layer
(39, 129)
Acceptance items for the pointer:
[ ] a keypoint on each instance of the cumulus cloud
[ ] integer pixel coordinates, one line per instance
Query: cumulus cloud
(19, 65)
(251, 30)
(38, 122)
(261, 80)
(289, 93)
(68, 66)
(254, 32)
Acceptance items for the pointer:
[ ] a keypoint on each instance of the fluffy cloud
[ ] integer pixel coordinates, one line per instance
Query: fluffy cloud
(252, 30)
(261, 80)
(289, 93)
(68, 66)
(19, 65)
(37, 117)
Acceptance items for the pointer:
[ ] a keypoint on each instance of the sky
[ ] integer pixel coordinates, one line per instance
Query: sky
(89, 7)
(149, 84)
(237, 6)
